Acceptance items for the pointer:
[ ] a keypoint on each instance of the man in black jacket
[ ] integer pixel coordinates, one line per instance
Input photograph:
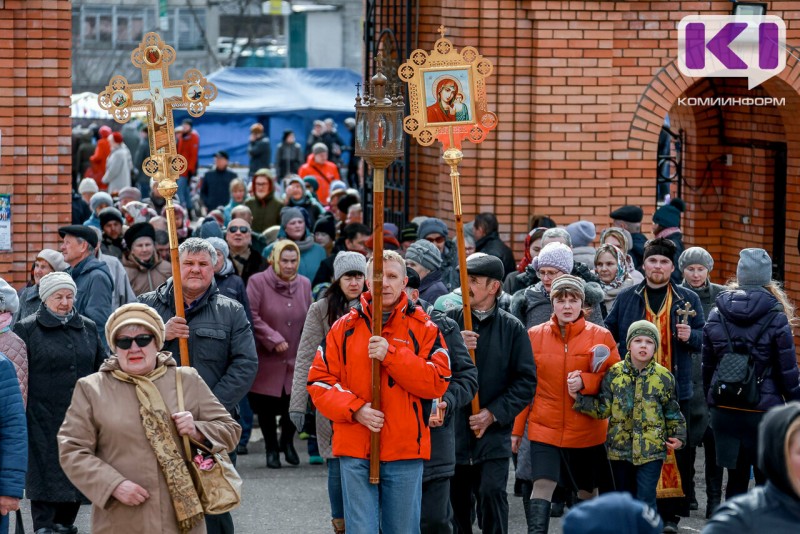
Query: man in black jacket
(488, 241)
(507, 382)
(436, 513)
(215, 186)
(221, 343)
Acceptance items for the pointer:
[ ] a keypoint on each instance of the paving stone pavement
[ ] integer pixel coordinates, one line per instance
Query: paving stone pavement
(295, 499)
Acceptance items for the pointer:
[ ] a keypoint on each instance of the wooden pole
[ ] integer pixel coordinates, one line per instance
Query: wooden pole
(453, 156)
(377, 315)
(177, 288)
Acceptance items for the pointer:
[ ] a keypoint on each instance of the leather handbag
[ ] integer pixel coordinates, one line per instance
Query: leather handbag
(216, 480)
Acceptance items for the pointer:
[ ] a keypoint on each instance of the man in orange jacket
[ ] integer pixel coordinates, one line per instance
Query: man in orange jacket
(415, 365)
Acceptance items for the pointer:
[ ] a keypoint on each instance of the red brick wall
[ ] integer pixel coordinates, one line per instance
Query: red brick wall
(581, 90)
(35, 158)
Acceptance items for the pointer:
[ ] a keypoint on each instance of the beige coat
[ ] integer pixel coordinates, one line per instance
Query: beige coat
(145, 280)
(102, 443)
(314, 331)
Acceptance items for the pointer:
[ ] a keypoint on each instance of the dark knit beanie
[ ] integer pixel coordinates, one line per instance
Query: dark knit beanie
(109, 214)
(326, 225)
(409, 232)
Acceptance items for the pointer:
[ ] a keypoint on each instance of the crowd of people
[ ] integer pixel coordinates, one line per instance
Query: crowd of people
(597, 363)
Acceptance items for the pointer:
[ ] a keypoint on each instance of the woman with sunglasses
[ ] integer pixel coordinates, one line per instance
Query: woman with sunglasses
(120, 442)
(63, 346)
(350, 271)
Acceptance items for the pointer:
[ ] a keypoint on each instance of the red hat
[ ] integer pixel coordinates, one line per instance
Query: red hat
(117, 137)
(390, 242)
(104, 131)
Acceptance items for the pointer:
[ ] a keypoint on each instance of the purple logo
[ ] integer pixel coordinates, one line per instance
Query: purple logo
(732, 46)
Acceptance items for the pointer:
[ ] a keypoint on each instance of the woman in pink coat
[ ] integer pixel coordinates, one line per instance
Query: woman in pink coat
(279, 299)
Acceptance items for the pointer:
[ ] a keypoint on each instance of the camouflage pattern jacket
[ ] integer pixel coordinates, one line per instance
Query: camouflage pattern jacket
(643, 410)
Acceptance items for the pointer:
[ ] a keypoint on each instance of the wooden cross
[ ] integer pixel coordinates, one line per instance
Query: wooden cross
(157, 95)
(685, 313)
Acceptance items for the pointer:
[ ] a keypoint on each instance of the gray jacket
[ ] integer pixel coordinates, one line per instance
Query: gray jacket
(123, 292)
(94, 297)
(221, 343)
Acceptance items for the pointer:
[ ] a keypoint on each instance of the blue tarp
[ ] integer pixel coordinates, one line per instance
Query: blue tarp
(279, 99)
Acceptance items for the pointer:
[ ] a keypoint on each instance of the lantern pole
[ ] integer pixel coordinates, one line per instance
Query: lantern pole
(379, 142)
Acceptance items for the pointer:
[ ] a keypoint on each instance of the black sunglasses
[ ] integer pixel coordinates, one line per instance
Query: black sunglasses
(142, 340)
(242, 229)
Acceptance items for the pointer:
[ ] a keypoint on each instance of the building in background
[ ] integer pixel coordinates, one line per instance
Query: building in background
(209, 35)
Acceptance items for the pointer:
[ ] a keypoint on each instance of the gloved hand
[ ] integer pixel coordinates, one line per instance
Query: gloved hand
(298, 418)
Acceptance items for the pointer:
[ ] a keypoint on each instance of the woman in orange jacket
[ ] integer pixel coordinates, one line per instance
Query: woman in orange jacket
(566, 447)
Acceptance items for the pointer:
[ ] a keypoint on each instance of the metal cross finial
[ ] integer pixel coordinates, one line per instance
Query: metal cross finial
(442, 30)
(685, 313)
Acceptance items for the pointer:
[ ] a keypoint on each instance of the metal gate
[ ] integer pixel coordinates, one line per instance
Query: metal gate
(389, 27)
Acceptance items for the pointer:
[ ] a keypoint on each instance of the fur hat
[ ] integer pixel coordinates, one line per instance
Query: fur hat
(348, 262)
(108, 215)
(55, 281)
(134, 313)
(88, 185)
(425, 253)
(137, 230)
(100, 198)
(555, 255)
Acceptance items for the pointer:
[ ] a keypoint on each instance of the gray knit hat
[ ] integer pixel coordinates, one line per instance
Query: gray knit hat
(568, 282)
(754, 269)
(288, 214)
(695, 256)
(348, 262)
(555, 255)
(425, 253)
(643, 328)
(55, 281)
(54, 258)
(9, 301)
(219, 245)
(557, 233)
(582, 233)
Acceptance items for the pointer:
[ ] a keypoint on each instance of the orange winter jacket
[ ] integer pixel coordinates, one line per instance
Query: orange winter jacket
(416, 367)
(550, 417)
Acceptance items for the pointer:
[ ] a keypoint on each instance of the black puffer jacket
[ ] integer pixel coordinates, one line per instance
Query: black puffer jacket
(744, 312)
(221, 343)
(462, 388)
(58, 355)
(776, 506)
(506, 384)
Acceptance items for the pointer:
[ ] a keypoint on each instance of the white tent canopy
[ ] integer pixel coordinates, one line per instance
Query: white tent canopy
(85, 106)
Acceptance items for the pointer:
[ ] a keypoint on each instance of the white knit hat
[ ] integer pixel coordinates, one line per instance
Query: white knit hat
(55, 281)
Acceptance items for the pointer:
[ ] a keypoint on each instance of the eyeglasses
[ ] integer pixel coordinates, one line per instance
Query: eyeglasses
(240, 229)
(549, 275)
(438, 240)
(141, 340)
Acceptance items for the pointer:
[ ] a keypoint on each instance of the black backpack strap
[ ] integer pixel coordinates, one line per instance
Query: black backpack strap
(725, 329)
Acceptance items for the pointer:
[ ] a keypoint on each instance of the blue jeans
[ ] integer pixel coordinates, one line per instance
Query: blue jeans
(639, 480)
(246, 420)
(391, 506)
(184, 193)
(335, 489)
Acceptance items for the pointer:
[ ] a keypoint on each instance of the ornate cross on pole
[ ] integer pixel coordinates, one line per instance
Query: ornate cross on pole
(685, 313)
(158, 96)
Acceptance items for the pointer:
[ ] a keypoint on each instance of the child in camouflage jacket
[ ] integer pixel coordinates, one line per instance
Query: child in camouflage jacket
(638, 396)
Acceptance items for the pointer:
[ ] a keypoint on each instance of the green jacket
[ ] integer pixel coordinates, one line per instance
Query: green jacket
(643, 410)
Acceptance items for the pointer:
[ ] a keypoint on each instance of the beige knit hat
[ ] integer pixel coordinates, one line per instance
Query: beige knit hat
(135, 313)
(55, 281)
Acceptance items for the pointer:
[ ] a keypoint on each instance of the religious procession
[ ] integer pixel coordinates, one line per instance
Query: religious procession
(463, 304)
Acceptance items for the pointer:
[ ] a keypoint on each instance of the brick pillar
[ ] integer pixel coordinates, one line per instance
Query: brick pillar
(35, 159)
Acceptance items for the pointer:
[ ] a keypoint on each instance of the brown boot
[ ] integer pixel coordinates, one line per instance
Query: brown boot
(338, 525)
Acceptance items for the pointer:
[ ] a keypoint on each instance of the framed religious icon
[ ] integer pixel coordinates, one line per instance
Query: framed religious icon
(447, 94)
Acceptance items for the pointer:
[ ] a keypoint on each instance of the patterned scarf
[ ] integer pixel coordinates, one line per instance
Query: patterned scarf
(622, 266)
(670, 484)
(158, 428)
